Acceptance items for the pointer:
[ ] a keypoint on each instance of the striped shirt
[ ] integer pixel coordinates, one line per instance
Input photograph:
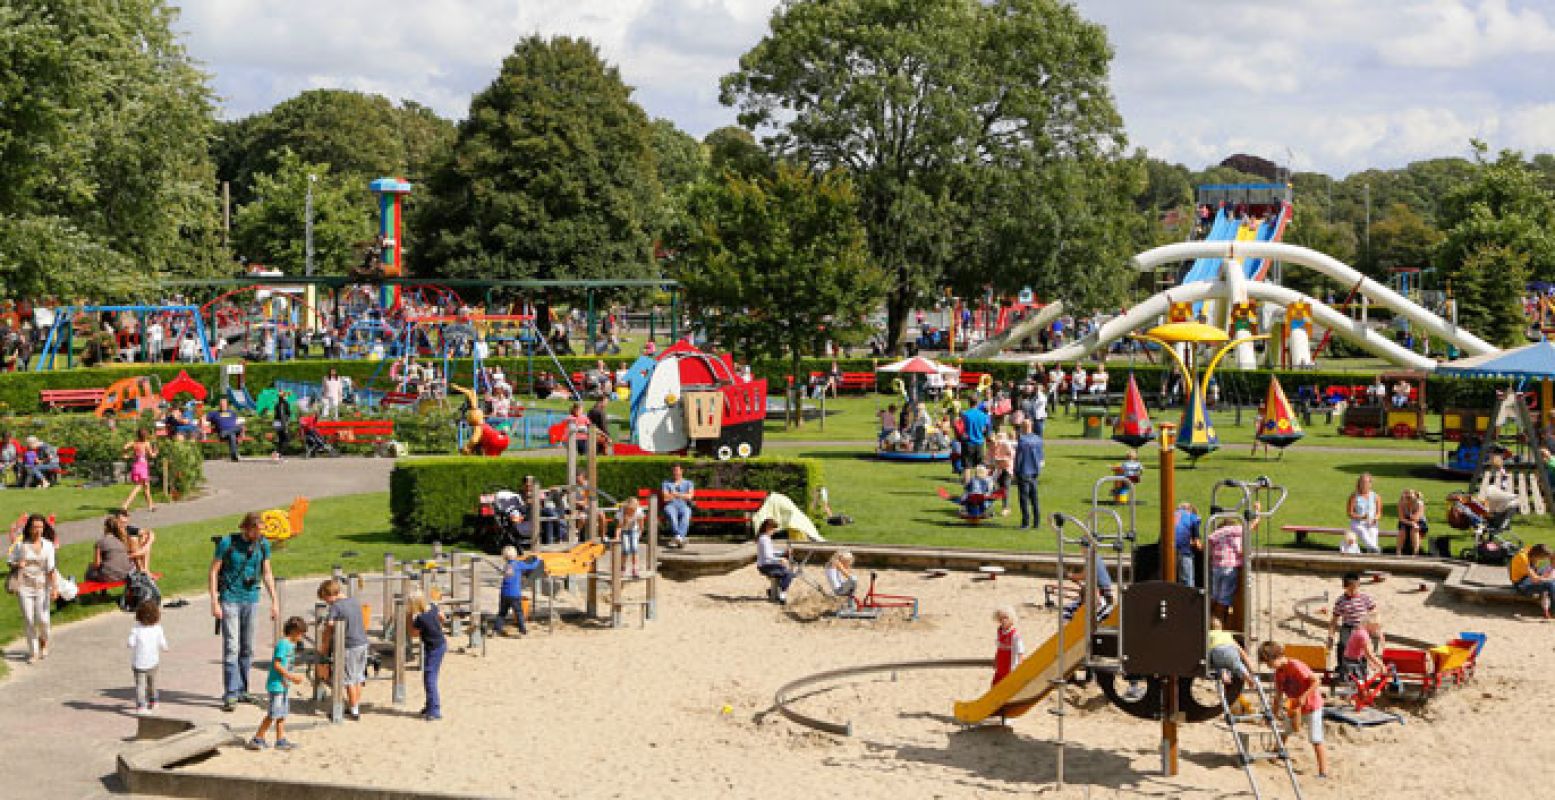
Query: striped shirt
(1352, 609)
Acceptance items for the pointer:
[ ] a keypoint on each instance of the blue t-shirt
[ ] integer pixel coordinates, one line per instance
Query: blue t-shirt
(1187, 529)
(225, 422)
(976, 421)
(681, 487)
(430, 628)
(513, 576)
(242, 568)
(283, 653)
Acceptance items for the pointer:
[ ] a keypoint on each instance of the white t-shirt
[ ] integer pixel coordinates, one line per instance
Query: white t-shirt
(147, 644)
(766, 553)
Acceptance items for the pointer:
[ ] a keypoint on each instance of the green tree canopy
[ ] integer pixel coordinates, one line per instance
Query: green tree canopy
(270, 228)
(944, 112)
(104, 128)
(1488, 289)
(733, 149)
(1403, 238)
(775, 266)
(1503, 206)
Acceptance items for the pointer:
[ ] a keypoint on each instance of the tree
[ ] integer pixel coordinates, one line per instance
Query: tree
(680, 158)
(775, 266)
(1502, 205)
(552, 175)
(270, 228)
(1488, 289)
(942, 112)
(104, 126)
(1403, 238)
(733, 149)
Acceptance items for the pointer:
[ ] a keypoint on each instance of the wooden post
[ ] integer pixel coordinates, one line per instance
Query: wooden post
(535, 513)
(591, 499)
(615, 583)
(400, 640)
(1168, 544)
(653, 558)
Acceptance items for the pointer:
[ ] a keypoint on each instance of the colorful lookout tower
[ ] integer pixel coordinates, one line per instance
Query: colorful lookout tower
(1278, 427)
(1133, 427)
(390, 192)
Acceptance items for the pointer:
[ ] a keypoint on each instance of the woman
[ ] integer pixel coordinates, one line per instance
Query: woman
(32, 562)
(1364, 510)
(1411, 522)
(122, 549)
(334, 392)
(141, 451)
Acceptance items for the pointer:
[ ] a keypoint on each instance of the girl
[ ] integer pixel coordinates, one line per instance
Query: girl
(33, 580)
(839, 574)
(334, 392)
(1411, 522)
(427, 620)
(630, 528)
(1364, 510)
(142, 450)
(1003, 455)
(147, 643)
(1361, 649)
(1010, 649)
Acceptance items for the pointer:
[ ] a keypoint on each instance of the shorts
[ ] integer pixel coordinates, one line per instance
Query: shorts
(1314, 722)
(973, 454)
(355, 673)
(629, 540)
(1223, 583)
(280, 704)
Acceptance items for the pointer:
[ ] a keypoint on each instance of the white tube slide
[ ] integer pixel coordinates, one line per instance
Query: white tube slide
(1020, 330)
(1342, 326)
(1144, 315)
(1328, 266)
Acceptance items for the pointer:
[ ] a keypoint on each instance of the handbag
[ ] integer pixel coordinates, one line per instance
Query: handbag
(13, 581)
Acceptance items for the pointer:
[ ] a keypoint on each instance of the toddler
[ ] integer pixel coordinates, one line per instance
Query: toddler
(839, 574)
(1010, 649)
(1225, 654)
(147, 644)
(276, 686)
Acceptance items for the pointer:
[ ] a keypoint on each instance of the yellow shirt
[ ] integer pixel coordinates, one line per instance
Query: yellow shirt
(1520, 567)
(1220, 639)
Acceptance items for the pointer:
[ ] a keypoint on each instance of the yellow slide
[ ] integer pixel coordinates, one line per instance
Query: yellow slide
(1033, 678)
(1247, 234)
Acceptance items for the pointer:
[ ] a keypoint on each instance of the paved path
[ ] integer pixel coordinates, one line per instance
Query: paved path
(254, 485)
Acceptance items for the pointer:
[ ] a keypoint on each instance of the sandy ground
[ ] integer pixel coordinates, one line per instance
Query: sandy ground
(591, 712)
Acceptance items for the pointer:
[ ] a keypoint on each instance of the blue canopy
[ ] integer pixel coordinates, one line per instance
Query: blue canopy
(1536, 360)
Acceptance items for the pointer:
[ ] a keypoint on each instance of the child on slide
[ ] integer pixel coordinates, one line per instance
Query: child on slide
(1009, 649)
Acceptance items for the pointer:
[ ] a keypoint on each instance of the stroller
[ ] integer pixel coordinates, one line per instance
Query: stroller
(504, 516)
(1490, 518)
(313, 441)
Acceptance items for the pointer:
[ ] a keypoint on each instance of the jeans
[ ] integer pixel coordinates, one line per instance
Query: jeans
(145, 687)
(35, 612)
(39, 474)
(781, 573)
(679, 516)
(1526, 586)
(1186, 568)
(515, 605)
(237, 647)
(232, 443)
(431, 664)
(1030, 510)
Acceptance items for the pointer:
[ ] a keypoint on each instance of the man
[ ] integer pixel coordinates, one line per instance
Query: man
(1029, 460)
(975, 421)
(676, 494)
(1350, 611)
(225, 424)
(241, 564)
(1186, 538)
(599, 420)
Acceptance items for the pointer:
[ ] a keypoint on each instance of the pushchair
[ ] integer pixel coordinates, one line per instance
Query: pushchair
(1490, 519)
(504, 515)
(313, 440)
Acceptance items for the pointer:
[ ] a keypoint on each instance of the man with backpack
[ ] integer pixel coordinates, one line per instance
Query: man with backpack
(242, 562)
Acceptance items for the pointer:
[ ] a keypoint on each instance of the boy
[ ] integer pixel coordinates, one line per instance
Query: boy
(1295, 680)
(349, 611)
(280, 675)
(1350, 612)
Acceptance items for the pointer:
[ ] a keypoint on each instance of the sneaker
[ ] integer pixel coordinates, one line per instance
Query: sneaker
(257, 743)
(229, 704)
(431, 717)
(354, 714)
(284, 745)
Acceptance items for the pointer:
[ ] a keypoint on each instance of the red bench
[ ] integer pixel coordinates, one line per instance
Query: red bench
(850, 381)
(969, 380)
(354, 430)
(400, 399)
(85, 588)
(719, 506)
(58, 399)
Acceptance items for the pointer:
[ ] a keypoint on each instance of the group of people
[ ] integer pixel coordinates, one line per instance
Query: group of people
(30, 463)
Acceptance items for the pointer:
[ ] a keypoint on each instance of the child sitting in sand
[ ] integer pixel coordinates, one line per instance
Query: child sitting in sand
(1295, 680)
(1360, 656)
(1225, 654)
(1010, 648)
(839, 574)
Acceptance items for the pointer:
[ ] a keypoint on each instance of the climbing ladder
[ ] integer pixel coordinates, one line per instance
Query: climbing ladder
(1265, 717)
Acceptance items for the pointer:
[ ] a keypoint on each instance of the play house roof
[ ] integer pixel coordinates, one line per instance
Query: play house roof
(1536, 360)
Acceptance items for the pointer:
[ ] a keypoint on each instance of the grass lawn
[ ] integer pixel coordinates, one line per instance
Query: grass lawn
(356, 523)
(67, 502)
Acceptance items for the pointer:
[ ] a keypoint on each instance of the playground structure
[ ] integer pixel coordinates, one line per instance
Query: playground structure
(185, 334)
(1181, 340)
(684, 400)
(1381, 415)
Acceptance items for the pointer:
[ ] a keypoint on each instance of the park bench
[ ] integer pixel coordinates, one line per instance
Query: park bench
(58, 399)
(88, 588)
(1303, 531)
(850, 381)
(969, 380)
(399, 400)
(719, 506)
(354, 431)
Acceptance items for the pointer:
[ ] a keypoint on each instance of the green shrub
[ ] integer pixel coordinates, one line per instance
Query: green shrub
(429, 497)
(100, 443)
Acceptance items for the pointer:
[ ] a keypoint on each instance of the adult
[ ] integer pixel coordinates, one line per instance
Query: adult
(1186, 539)
(283, 422)
(1411, 523)
(578, 428)
(1526, 578)
(677, 494)
(1029, 460)
(975, 424)
(332, 393)
(33, 569)
(140, 452)
(599, 421)
(1035, 407)
(241, 564)
(226, 425)
(1077, 383)
(1349, 612)
(1364, 510)
(1099, 380)
(39, 462)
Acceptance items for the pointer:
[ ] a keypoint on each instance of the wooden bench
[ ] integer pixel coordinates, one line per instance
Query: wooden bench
(399, 400)
(58, 399)
(87, 588)
(719, 506)
(1303, 531)
(370, 431)
(850, 381)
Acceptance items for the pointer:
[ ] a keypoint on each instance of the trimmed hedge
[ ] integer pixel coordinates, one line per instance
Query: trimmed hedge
(429, 497)
(99, 445)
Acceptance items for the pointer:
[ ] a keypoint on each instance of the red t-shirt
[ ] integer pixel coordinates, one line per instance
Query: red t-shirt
(1293, 680)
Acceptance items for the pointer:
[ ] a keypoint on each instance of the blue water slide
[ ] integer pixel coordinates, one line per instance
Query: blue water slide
(1269, 231)
(1224, 229)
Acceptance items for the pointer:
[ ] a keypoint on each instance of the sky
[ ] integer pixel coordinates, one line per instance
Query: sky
(1329, 86)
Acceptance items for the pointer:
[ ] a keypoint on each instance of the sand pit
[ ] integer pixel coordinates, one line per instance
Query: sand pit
(588, 712)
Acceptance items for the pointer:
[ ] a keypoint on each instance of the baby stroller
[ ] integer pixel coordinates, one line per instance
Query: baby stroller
(313, 441)
(1490, 519)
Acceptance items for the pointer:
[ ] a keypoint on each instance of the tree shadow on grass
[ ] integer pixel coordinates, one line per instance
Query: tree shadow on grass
(1398, 469)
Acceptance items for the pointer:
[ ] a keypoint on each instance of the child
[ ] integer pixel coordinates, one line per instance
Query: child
(1225, 654)
(427, 620)
(839, 574)
(280, 675)
(147, 644)
(630, 528)
(1360, 650)
(1010, 647)
(1003, 455)
(1295, 680)
(347, 610)
(511, 595)
(1132, 469)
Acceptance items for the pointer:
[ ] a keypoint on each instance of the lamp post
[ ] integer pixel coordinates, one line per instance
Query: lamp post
(307, 229)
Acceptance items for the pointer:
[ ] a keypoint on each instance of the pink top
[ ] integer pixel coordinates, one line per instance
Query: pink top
(1359, 642)
(1225, 546)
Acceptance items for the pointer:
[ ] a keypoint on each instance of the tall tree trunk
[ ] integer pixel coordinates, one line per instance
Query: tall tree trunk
(898, 305)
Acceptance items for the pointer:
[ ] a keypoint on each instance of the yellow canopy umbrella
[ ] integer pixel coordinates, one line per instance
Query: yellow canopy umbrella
(1191, 332)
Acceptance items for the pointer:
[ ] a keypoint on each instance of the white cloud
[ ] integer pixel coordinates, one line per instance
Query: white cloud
(1454, 34)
